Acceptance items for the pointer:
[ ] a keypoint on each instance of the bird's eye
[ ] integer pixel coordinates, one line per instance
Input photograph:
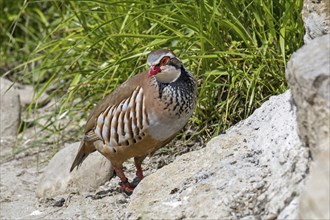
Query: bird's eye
(164, 61)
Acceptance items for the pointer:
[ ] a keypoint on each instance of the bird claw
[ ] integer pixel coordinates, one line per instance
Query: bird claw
(125, 188)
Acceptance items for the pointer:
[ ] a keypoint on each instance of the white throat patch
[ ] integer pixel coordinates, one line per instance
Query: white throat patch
(168, 74)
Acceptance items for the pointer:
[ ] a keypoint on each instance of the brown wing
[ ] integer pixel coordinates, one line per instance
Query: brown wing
(122, 92)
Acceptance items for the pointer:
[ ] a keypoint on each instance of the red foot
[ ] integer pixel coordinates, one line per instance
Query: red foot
(126, 188)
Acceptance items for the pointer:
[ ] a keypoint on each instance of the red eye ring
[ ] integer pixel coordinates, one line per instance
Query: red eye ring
(164, 61)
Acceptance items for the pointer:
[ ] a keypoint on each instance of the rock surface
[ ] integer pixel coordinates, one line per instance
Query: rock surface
(17, 183)
(9, 109)
(316, 16)
(27, 96)
(255, 170)
(308, 74)
(57, 179)
(315, 200)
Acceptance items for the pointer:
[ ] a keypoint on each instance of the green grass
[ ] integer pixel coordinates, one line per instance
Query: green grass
(237, 50)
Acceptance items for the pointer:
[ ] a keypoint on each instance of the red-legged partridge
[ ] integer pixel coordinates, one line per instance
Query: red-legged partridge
(140, 116)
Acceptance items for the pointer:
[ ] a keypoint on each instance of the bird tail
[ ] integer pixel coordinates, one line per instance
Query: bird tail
(83, 152)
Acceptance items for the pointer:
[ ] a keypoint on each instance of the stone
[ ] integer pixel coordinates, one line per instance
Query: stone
(9, 109)
(27, 96)
(6, 150)
(255, 170)
(316, 17)
(315, 200)
(308, 74)
(56, 178)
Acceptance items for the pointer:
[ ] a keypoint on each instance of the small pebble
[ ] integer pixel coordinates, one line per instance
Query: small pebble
(59, 203)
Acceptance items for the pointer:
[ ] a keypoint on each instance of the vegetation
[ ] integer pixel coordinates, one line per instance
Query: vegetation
(82, 50)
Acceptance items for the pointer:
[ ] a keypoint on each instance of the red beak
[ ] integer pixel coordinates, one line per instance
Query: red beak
(153, 71)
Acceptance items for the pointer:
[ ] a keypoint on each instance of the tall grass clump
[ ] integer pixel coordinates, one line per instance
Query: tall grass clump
(237, 50)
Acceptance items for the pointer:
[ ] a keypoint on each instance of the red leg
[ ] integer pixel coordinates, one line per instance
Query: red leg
(125, 186)
(139, 172)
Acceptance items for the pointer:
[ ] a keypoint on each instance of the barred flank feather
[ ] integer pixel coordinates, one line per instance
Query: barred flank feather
(125, 123)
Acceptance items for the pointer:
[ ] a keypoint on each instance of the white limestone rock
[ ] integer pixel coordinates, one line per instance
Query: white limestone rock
(56, 178)
(255, 170)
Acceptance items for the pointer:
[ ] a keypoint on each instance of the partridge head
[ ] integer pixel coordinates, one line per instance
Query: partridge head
(141, 115)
